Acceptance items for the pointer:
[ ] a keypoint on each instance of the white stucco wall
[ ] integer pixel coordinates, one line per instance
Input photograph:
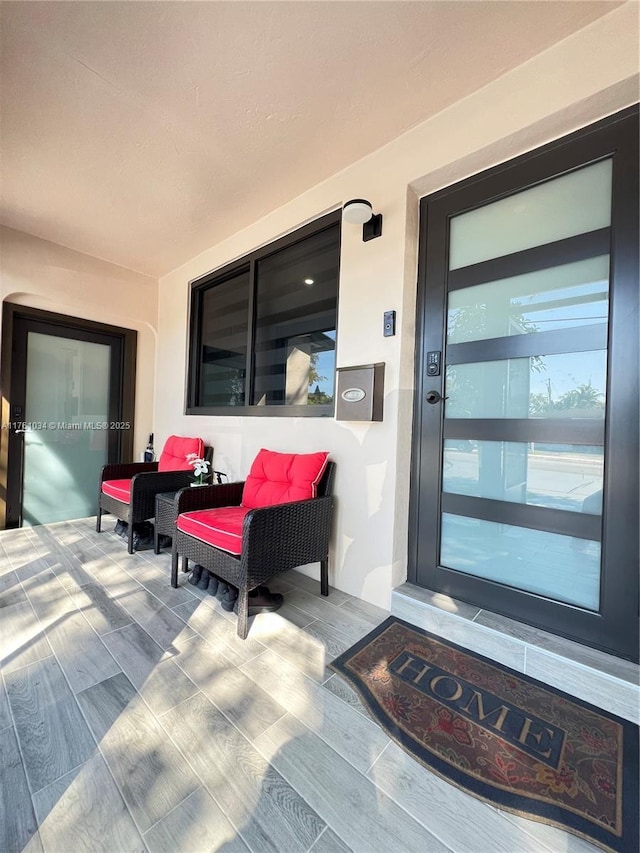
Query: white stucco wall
(44, 275)
(588, 76)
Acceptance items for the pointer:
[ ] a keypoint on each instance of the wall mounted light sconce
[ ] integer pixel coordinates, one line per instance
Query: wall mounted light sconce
(359, 211)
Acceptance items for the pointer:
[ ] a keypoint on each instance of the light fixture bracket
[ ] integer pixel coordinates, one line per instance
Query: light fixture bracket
(372, 228)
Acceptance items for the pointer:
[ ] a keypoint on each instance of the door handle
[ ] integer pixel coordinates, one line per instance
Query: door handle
(434, 397)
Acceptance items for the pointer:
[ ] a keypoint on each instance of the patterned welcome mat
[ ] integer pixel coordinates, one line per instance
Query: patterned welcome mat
(500, 735)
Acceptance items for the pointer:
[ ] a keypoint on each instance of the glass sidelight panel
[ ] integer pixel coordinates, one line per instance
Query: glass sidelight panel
(573, 204)
(562, 297)
(569, 385)
(563, 568)
(67, 409)
(566, 477)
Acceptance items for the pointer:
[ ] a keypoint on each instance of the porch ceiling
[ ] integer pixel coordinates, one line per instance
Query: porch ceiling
(143, 133)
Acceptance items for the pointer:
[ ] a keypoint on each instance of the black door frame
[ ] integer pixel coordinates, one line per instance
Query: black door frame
(12, 378)
(615, 628)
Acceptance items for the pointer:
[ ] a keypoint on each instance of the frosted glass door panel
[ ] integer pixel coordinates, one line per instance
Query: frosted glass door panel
(570, 385)
(563, 568)
(562, 297)
(66, 445)
(563, 207)
(568, 477)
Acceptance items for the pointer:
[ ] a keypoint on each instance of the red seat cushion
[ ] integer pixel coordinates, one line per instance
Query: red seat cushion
(277, 478)
(118, 489)
(175, 451)
(221, 527)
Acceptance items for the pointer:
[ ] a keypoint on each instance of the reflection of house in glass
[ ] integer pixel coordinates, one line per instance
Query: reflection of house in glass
(222, 376)
(302, 369)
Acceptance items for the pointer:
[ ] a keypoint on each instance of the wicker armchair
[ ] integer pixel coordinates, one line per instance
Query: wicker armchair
(275, 538)
(146, 481)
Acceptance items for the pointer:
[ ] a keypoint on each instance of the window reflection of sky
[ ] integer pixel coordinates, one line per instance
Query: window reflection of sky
(566, 296)
(558, 374)
(581, 305)
(326, 367)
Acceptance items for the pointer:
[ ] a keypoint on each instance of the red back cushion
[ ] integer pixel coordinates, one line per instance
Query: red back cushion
(277, 478)
(175, 451)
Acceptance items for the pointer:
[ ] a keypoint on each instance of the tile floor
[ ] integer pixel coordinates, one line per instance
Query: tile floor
(133, 719)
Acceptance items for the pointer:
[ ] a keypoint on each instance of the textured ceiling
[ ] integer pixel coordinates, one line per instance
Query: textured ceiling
(143, 133)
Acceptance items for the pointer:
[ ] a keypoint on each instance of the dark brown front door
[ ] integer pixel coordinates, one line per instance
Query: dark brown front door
(526, 443)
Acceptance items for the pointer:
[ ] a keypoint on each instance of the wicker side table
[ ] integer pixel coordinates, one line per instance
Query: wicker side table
(166, 514)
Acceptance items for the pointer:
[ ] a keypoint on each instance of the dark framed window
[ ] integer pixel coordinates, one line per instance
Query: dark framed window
(262, 335)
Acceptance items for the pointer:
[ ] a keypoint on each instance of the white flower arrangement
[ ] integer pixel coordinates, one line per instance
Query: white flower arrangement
(200, 467)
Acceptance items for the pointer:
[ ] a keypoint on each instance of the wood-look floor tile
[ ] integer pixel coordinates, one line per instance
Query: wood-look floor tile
(64, 533)
(186, 610)
(461, 821)
(162, 589)
(239, 697)
(11, 591)
(312, 585)
(157, 620)
(290, 614)
(548, 837)
(83, 552)
(18, 822)
(48, 597)
(329, 842)
(18, 548)
(352, 735)
(333, 640)
(53, 736)
(110, 543)
(143, 570)
(70, 570)
(5, 713)
(221, 633)
(373, 614)
(360, 813)
(279, 584)
(295, 645)
(81, 653)
(32, 567)
(112, 577)
(161, 683)
(268, 812)
(43, 539)
(101, 609)
(84, 811)
(339, 687)
(22, 638)
(151, 774)
(342, 619)
(197, 825)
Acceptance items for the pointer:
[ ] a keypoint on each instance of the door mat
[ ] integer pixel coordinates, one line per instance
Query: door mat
(500, 735)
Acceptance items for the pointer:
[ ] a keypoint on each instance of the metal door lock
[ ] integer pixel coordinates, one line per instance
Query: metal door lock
(433, 397)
